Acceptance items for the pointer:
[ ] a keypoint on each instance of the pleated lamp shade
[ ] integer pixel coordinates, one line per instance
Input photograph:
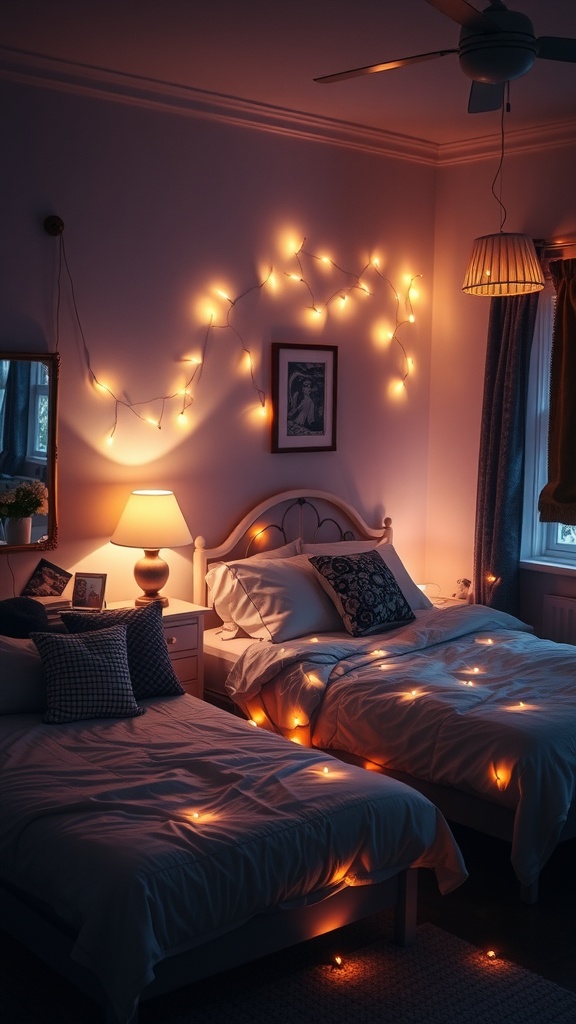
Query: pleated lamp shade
(503, 264)
(151, 520)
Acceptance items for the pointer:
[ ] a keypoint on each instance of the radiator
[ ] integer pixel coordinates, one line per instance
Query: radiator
(559, 619)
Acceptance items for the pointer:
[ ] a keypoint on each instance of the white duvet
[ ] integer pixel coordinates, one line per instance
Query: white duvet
(152, 835)
(466, 697)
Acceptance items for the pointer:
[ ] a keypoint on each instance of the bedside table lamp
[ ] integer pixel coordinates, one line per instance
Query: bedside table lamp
(151, 520)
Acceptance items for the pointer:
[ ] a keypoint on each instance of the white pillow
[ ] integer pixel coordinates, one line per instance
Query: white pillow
(415, 597)
(22, 686)
(221, 584)
(276, 599)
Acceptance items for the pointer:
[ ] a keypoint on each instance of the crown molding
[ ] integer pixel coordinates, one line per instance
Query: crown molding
(527, 140)
(88, 80)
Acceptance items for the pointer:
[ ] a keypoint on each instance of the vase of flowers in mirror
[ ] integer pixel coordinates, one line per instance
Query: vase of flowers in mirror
(17, 506)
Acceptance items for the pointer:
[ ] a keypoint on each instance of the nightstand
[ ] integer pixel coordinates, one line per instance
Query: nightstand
(184, 631)
(183, 624)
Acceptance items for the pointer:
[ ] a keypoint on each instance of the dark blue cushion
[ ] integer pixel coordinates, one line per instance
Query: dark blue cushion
(364, 592)
(87, 676)
(151, 670)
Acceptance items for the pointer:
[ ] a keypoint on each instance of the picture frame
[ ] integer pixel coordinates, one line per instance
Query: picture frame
(89, 589)
(47, 580)
(304, 397)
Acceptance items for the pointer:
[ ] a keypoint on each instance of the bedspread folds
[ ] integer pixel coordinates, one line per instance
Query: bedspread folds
(467, 697)
(155, 834)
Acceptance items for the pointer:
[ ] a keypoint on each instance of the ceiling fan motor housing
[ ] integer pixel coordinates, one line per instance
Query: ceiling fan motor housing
(499, 55)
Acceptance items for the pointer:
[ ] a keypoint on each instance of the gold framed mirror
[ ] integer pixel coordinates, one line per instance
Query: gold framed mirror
(28, 453)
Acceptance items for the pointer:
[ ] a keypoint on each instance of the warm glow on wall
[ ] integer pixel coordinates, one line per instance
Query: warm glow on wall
(102, 386)
(215, 311)
(397, 389)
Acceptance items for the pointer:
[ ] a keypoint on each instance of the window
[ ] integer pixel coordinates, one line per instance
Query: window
(37, 446)
(551, 543)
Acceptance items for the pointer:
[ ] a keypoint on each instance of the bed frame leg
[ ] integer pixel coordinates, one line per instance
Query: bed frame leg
(405, 913)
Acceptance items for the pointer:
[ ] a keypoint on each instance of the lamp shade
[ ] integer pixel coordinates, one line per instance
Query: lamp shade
(151, 520)
(503, 264)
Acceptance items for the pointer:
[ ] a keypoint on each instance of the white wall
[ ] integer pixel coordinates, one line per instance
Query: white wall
(158, 208)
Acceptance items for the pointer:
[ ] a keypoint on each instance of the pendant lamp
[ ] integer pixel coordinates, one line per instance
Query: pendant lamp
(505, 263)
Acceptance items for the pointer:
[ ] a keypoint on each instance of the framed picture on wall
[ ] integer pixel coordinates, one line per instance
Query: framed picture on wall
(304, 397)
(88, 592)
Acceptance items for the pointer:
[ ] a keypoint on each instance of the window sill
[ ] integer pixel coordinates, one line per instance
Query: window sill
(552, 568)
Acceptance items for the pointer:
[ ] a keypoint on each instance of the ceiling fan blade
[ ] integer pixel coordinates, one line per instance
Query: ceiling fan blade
(372, 69)
(464, 14)
(485, 96)
(557, 48)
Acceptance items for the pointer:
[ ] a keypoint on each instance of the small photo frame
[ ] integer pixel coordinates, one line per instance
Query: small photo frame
(88, 593)
(304, 390)
(47, 580)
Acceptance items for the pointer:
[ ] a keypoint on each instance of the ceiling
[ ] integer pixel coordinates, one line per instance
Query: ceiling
(269, 51)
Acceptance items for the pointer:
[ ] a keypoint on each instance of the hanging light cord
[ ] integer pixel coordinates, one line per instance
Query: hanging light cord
(505, 109)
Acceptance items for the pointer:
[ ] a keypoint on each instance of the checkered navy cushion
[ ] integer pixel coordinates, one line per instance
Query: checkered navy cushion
(151, 671)
(87, 676)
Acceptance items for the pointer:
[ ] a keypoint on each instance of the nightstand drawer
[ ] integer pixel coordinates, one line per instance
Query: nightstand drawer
(186, 669)
(181, 638)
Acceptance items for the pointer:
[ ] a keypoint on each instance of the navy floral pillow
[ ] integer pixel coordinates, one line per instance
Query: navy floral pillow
(364, 592)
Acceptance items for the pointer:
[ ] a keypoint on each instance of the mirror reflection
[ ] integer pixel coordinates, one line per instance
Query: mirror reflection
(28, 396)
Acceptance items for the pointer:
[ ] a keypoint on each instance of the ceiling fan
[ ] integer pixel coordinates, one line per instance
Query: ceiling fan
(495, 46)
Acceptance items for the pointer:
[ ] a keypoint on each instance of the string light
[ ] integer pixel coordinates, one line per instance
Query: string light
(354, 282)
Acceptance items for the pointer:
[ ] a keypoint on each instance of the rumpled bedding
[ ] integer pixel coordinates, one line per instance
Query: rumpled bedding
(152, 835)
(466, 697)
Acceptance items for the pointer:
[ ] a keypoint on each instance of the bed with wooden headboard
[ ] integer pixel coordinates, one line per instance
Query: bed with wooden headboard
(459, 700)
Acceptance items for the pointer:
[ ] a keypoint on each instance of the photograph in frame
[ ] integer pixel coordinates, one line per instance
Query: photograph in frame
(47, 580)
(304, 394)
(89, 589)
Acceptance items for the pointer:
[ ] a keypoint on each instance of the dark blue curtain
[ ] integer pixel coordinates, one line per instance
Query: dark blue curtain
(17, 402)
(501, 460)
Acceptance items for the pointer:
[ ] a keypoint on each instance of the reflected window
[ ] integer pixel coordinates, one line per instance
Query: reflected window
(4, 366)
(37, 447)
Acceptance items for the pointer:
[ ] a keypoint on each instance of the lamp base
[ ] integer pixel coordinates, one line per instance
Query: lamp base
(151, 573)
(150, 599)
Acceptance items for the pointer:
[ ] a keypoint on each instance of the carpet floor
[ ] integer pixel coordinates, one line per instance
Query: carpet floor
(440, 979)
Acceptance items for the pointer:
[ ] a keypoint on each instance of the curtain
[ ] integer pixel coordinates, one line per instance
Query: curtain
(501, 460)
(557, 502)
(17, 401)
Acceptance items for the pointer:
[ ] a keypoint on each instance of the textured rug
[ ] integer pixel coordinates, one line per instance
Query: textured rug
(438, 980)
